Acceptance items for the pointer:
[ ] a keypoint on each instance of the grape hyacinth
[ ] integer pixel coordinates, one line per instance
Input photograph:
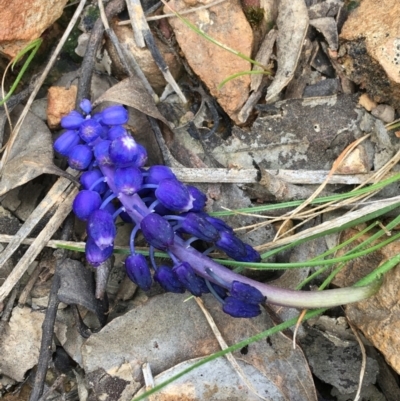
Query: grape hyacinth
(170, 216)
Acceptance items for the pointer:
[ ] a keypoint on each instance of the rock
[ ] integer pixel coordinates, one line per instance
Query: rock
(166, 331)
(23, 21)
(384, 112)
(373, 49)
(378, 317)
(227, 24)
(338, 364)
(20, 343)
(60, 101)
(144, 58)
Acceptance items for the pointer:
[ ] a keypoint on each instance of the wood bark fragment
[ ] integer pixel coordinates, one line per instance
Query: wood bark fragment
(249, 176)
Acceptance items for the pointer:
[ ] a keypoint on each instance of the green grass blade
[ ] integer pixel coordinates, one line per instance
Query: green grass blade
(241, 73)
(34, 46)
(324, 199)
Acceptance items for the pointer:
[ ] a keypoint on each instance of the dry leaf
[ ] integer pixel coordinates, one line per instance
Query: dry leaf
(131, 92)
(34, 143)
(292, 25)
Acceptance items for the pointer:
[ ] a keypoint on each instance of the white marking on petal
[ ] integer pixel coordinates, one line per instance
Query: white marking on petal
(129, 142)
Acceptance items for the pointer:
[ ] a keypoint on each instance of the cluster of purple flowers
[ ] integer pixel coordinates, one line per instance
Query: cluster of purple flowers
(169, 214)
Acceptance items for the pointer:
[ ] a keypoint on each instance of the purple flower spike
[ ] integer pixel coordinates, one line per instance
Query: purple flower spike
(237, 308)
(251, 255)
(200, 199)
(88, 178)
(128, 180)
(66, 142)
(94, 255)
(73, 120)
(114, 115)
(188, 278)
(101, 228)
(90, 130)
(86, 106)
(85, 203)
(123, 151)
(138, 271)
(102, 153)
(246, 293)
(174, 195)
(168, 280)
(116, 132)
(196, 225)
(231, 245)
(155, 174)
(157, 231)
(80, 157)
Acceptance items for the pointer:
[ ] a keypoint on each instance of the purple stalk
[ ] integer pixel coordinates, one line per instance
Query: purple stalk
(200, 264)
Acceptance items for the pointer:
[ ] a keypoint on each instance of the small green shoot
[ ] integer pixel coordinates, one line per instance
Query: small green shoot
(241, 73)
(32, 47)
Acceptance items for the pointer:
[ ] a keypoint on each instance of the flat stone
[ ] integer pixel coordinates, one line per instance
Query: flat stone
(23, 21)
(227, 24)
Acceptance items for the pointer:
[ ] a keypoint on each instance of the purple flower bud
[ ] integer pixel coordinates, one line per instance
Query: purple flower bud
(168, 280)
(246, 293)
(188, 278)
(123, 151)
(73, 120)
(102, 153)
(200, 199)
(141, 156)
(116, 132)
(94, 255)
(85, 203)
(237, 308)
(66, 142)
(174, 195)
(219, 224)
(155, 174)
(196, 225)
(88, 178)
(101, 228)
(231, 245)
(90, 130)
(138, 271)
(80, 157)
(128, 180)
(157, 231)
(114, 115)
(251, 255)
(86, 106)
